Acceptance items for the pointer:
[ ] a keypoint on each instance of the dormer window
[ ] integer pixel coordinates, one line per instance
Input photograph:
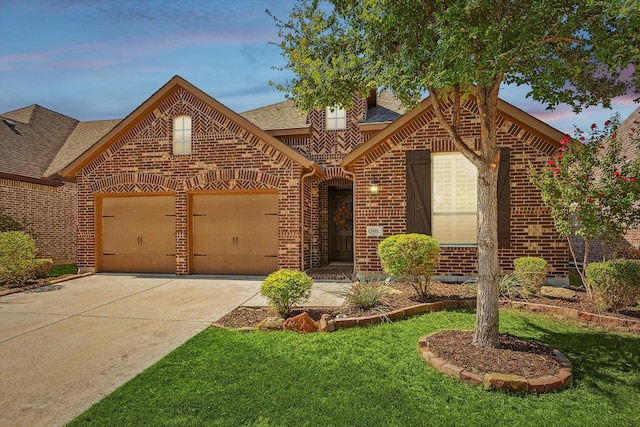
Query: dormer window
(181, 135)
(336, 118)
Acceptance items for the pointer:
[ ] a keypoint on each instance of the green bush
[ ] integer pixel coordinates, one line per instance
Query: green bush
(616, 283)
(285, 288)
(8, 223)
(42, 268)
(17, 258)
(509, 286)
(413, 256)
(364, 294)
(531, 272)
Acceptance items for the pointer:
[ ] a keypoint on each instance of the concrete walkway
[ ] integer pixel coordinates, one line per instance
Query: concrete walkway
(63, 350)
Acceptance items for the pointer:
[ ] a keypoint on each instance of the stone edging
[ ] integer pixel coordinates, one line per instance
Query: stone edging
(627, 325)
(498, 381)
(403, 313)
(53, 281)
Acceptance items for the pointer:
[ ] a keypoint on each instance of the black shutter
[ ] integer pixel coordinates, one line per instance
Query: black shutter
(504, 199)
(418, 191)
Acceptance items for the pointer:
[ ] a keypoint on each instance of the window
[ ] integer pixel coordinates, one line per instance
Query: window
(182, 135)
(336, 118)
(454, 195)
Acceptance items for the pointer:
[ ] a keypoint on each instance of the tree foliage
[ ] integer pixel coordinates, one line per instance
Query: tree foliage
(569, 52)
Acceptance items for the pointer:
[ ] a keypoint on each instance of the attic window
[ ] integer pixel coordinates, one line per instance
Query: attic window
(181, 135)
(336, 118)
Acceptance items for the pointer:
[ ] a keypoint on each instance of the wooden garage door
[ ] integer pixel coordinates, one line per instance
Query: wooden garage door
(138, 234)
(234, 234)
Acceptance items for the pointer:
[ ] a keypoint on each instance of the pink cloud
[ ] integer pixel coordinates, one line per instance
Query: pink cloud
(88, 63)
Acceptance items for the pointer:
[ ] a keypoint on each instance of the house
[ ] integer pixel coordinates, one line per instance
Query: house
(185, 185)
(35, 144)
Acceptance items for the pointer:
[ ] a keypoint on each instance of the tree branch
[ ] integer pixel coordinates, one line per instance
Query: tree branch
(452, 130)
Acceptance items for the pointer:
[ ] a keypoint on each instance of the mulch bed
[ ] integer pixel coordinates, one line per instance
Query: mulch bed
(514, 355)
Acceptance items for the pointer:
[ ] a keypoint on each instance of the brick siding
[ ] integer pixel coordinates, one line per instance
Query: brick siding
(49, 213)
(532, 230)
(224, 157)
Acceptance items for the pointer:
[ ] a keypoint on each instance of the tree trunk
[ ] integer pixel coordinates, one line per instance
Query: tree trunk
(487, 316)
(486, 330)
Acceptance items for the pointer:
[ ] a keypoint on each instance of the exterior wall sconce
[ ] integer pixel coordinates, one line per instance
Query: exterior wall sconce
(374, 188)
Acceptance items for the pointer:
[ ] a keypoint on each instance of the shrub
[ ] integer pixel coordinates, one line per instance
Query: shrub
(509, 286)
(285, 288)
(8, 223)
(616, 283)
(365, 294)
(414, 256)
(531, 272)
(17, 258)
(42, 268)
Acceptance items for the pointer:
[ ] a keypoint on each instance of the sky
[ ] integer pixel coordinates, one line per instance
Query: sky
(98, 60)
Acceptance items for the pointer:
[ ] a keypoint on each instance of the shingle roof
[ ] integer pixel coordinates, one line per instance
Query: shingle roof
(30, 138)
(36, 142)
(283, 116)
(83, 136)
(625, 134)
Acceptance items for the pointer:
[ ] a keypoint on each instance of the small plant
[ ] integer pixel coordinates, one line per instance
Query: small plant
(616, 283)
(531, 272)
(509, 286)
(364, 294)
(414, 256)
(9, 223)
(285, 288)
(17, 258)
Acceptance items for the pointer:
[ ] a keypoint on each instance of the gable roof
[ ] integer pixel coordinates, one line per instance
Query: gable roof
(508, 111)
(283, 115)
(156, 99)
(626, 134)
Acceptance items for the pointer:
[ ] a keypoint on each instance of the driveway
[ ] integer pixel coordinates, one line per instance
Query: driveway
(63, 350)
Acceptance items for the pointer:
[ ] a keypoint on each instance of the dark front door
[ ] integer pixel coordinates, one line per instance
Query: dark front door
(340, 224)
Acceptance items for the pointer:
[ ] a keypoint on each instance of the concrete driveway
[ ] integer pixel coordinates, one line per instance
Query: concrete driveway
(63, 350)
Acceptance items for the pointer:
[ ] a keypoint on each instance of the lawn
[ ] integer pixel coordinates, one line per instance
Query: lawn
(61, 270)
(370, 376)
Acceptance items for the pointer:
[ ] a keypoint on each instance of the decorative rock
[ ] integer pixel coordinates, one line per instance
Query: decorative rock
(271, 323)
(302, 323)
(505, 382)
(327, 324)
(553, 292)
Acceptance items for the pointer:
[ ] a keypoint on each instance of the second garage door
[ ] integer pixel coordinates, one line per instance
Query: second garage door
(234, 233)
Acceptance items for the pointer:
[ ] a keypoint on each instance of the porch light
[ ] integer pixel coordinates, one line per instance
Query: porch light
(374, 188)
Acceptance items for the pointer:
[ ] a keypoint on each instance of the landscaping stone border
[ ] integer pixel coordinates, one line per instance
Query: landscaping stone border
(498, 381)
(626, 325)
(617, 323)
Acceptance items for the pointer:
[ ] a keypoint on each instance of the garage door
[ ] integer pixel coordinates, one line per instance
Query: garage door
(234, 234)
(138, 234)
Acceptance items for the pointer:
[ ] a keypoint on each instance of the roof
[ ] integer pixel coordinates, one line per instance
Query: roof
(283, 115)
(626, 134)
(510, 112)
(156, 99)
(30, 138)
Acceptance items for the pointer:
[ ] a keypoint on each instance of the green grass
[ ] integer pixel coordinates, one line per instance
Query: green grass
(61, 270)
(370, 377)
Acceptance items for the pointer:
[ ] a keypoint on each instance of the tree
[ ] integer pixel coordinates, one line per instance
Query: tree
(592, 189)
(571, 52)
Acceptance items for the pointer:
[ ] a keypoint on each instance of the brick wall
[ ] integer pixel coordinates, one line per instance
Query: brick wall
(49, 212)
(224, 157)
(532, 230)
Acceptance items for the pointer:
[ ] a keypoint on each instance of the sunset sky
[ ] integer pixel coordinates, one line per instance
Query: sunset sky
(94, 60)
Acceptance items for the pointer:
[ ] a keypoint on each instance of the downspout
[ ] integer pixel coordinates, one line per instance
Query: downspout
(306, 175)
(353, 179)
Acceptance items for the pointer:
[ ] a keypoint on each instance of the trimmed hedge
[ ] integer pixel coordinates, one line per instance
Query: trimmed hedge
(285, 288)
(531, 272)
(414, 256)
(615, 283)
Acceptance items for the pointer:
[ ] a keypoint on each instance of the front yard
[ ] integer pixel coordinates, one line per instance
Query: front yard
(371, 376)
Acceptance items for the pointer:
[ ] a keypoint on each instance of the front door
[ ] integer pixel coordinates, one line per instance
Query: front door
(340, 224)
